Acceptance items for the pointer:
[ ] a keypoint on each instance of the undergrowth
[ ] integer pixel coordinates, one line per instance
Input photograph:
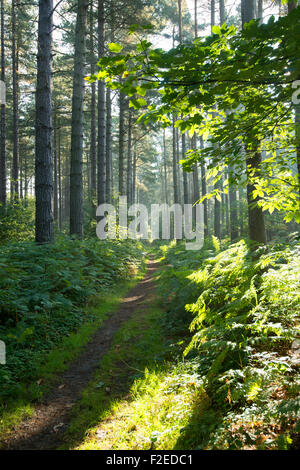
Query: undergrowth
(243, 311)
(45, 293)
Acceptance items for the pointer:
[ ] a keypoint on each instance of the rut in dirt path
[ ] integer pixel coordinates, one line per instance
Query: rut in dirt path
(45, 430)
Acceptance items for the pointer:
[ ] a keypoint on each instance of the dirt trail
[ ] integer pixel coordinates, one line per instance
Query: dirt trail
(45, 430)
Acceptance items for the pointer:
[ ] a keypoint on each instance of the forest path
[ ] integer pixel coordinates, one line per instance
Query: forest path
(45, 430)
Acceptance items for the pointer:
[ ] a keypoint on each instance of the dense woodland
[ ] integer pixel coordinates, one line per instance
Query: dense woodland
(162, 101)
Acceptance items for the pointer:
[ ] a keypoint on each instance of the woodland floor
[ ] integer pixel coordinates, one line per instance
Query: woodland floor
(46, 430)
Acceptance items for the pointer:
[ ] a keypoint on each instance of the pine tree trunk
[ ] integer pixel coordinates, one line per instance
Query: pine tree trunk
(256, 222)
(165, 168)
(101, 110)
(43, 149)
(55, 205)
(175, 172)
(93, 147)
(212, 13)
(185, 176)
(134, 176)
(129, 157)
(76, 176)
(15, 165)
(60, 202)
(260, 13)
(108, 151)
(233, 208)
(122, 106)
(222, 12)
(3, 118)
(204, 192)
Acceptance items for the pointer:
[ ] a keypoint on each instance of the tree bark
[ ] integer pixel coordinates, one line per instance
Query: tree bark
(15, 162)
(204, 192)
(122, 106)
(101, 110)
(76, 177)
(175, 169)
(165, 168)
(55, 205)
(3, 117)
(256, 222)
(129, 158)
(260, 13)
(108, 151)
(43, 146)
(234, 233)
(93, 147)
(222, 12)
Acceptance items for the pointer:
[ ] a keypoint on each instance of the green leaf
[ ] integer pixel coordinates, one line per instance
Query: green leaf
(115, 47)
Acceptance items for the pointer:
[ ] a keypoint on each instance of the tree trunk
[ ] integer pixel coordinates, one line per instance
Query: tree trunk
(76, 177)
(59, 178)
(15, 164)
(129, 158)
(212, 13)
(248, 11)
(222, 12)
(134, 176)
(122, 106)
(93, 147)
(55, 205)
(185, 176)
(204, 192)
(43, 148)
(3, 118)
(165, 168)
(234, 233)
(108, 152)
(175, 169)
(196, 17)
(101, 110)
(260, 12)
(256, 222)
(180, 20)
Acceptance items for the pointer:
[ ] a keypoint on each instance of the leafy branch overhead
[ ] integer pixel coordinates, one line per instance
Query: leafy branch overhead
(233, 88)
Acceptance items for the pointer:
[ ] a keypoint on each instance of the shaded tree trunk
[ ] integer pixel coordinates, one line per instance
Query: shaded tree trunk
(108, 152)
(55, 205)
(165, 168)
(260, 13)
(15, 162)
(43, 145)
(101, 111)
(129, 158)
(256, 222)
(76, 176)
(175, 169)
(234, 233)
(59, 178)
(122, 106)
(204, 192)
(93, 147)
(134, 176)
(3, 117)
